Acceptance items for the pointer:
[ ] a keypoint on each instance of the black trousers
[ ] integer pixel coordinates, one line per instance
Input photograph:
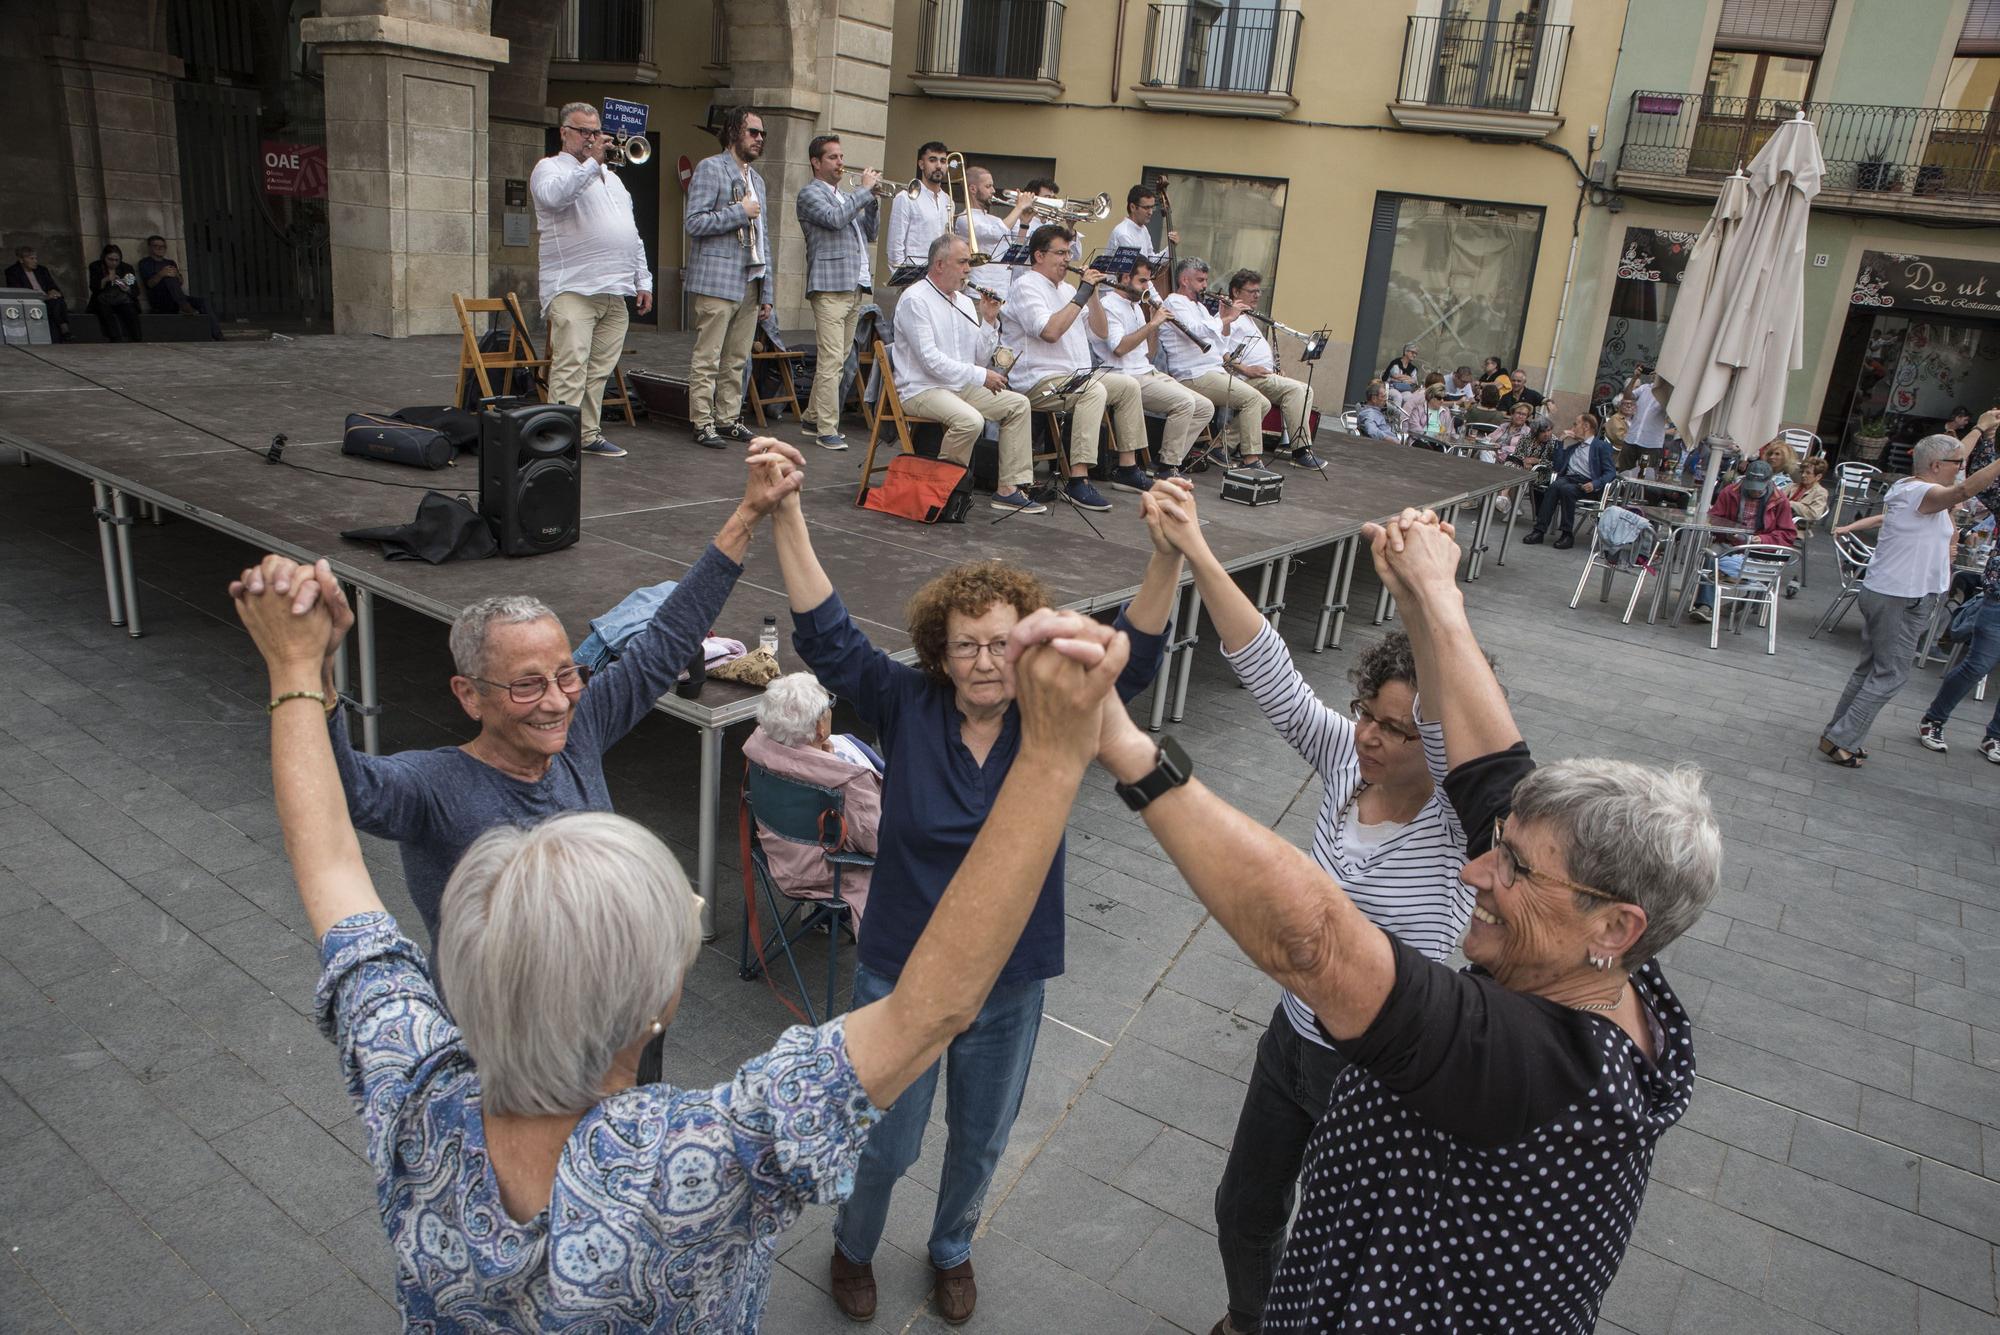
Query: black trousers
(168, 296)
(118, 319)
(1562, 493)
(1253, 1203)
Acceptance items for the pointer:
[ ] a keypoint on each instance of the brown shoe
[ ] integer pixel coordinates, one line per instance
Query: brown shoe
(955, 1292)
(853, 1288)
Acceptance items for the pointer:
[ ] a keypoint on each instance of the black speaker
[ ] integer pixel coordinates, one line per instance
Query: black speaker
(531, 476)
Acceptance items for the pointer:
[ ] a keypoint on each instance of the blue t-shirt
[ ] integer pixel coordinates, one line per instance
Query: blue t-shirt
(935, 796)
(435, 803)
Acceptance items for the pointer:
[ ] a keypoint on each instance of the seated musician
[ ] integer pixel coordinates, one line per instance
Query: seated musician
(1199, 365)
(1141, 202)
(1125, 334)
(1257, 363)
(1043, 326)
(991, 235)
(943, 344)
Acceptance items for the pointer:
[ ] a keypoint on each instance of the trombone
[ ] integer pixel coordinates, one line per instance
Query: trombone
(634, 150)
(887, 189)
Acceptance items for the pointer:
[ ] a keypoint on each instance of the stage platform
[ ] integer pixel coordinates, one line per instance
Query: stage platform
(180, 430)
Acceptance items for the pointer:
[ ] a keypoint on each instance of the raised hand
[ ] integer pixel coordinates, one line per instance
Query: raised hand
(278, 601)
(777, 470)
(1064, 665)
(1416, 554)
(1171, 522)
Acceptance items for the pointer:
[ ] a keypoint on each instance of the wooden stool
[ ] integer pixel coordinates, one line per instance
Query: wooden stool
(519, 353)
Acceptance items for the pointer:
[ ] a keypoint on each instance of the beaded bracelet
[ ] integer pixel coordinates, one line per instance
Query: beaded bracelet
(320, 696)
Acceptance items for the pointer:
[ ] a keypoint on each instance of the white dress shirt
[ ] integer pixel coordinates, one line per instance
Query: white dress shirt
(1649, 421)
(1184, 360)
(941, 343)
(1121, 318)
(1129, 233)
(915, 223)
(1031, 303)
(993, 238)
(1248, 345)
(590, 243)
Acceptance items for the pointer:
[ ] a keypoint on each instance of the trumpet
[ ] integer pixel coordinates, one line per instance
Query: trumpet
(886, 189)
(634, 150)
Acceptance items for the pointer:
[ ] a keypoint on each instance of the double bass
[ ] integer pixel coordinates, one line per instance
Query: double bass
(1165, 281)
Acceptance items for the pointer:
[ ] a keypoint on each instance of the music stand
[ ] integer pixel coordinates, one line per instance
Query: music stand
(906, 274)
(1116, 263)
(1016, 256)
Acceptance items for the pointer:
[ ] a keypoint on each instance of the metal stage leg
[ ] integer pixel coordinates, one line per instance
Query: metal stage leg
(711, 804)
(1336, 603)
(1187, 659)
(1482, 528)
(1277, 604)
(1333, 567)
(107, 548)
(1264, 591)
(364, 648)
(1513, 510)
(1385, 606)
(121, 523)
(1163, 683)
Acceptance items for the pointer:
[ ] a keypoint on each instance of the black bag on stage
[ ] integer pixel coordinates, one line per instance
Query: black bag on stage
(397, 442)
(445, 529)
(460, 427)
(520, 384)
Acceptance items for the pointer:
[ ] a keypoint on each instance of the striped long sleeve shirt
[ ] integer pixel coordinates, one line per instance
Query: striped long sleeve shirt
(1408, 884)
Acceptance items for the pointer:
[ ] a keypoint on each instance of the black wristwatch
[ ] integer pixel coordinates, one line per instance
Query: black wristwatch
(1171, 769)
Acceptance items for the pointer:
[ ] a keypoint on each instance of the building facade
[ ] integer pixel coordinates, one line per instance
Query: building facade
(1902, 318)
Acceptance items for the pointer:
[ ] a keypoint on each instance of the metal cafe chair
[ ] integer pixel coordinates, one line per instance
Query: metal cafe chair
(1759, 584)
(1851, 555)
(802, 813)
(1640, 557)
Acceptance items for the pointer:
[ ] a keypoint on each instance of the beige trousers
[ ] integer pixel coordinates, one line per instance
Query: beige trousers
(1186, 412)
(723, 331)
(1119, 393)
(1293, 400)
(1247, 408)
(586, 336)
(834, 318)
(963, 415)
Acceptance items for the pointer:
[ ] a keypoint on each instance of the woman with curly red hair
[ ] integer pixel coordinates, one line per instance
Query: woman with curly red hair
(949, 731)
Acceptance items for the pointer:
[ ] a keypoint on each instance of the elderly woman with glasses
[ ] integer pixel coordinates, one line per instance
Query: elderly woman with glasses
(527, 1179)
(1384, 831)
(1484, 1153)
(542, 736)
(795, 739)
(950, 730)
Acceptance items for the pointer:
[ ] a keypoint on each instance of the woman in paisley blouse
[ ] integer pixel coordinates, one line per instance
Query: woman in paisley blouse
(526, 1181)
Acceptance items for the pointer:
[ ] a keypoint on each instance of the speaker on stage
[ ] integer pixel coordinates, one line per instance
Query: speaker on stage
(531, 476)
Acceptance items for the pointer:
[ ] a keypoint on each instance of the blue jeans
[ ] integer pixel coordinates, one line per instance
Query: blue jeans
(1731, 567)
(986, 1069)
(1981, 656)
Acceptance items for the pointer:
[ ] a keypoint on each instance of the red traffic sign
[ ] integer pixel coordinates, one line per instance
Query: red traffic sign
(687, 172)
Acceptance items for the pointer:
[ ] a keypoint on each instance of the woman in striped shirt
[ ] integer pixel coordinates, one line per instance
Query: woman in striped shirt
(1386, 834)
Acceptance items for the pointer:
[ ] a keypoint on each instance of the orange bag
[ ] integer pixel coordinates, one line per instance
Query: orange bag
(930, 491)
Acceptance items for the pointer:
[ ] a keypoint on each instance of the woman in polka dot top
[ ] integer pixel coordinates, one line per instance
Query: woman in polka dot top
(1483, 1158)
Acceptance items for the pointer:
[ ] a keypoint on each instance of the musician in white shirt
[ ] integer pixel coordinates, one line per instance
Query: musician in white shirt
(1201, 369)
(1251, 352)
(1125, 338)
(1043, 324)
(917, 220)
(592, 258)
(943, 343)
(1135, 231)
(992, 234)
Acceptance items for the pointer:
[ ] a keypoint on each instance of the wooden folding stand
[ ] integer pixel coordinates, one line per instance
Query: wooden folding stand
(519, 354)
(761, 354)
(889, 408)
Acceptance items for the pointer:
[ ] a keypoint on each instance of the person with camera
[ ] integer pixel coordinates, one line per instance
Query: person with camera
(114, 298)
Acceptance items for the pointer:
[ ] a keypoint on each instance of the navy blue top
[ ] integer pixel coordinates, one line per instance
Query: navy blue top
(435, 803)
(1603, 460)
(935, 796)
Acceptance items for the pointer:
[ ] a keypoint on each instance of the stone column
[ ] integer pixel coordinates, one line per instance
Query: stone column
(406, 129)
(124, 146)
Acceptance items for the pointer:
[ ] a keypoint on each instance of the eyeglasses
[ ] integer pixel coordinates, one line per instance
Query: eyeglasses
(1954, 461)
(1508, 863)
(970, 649)
(528, 690)
(587, 134)
(1363, 714)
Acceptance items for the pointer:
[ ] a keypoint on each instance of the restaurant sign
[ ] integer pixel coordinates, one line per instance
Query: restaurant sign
(1927, 282)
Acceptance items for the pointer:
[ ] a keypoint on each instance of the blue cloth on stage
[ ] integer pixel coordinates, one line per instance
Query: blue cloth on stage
(610, 632)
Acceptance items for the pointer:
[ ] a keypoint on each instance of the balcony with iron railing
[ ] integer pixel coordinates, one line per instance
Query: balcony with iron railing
(1236, 61)
(998, 50)
(1925, 162)
(1480, 76)
(605, 39)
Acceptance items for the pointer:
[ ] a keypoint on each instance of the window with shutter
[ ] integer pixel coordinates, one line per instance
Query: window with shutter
(1790, 27)
(1981, 34)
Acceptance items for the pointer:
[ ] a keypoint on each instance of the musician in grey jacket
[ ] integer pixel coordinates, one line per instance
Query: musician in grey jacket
(729, 272)
(839, 230)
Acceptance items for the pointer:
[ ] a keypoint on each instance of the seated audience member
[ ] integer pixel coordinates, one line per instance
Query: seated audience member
(1401, 372)
(1754, 502)
(1483, 408)
(1809, 498)
(1784, 461)
(525, 1175)
(1520, 391)
(542, 735)
(1617, 429)
(165, 292)
(114, 296)
(1460, 384)
(1490, 372)
(794, 739)
(1512, 442)
(28, 272)
(1372, 420)
(1583, 465)
(1482, 1160)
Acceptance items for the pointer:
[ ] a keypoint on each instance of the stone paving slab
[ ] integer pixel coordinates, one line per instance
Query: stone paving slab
(176, 1153)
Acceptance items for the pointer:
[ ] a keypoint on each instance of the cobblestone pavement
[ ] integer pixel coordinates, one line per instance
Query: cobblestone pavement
(176, 1153)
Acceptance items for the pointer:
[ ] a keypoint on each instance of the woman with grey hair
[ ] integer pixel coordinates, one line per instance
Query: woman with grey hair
(1484, 1154)
(526, 1180)
(794, 739)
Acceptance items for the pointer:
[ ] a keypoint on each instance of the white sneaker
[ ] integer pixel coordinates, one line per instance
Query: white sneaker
(1990, 748)
(1931, 736)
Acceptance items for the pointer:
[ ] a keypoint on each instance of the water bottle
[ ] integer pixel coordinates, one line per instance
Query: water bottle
(767, 638)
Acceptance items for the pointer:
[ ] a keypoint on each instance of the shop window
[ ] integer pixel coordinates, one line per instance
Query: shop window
(1233, 222)
(1642, 301)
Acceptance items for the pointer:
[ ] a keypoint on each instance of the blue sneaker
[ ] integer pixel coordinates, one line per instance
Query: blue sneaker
(1078, 492)
(836, 441)
(604, 449)
(1131, 477)
(1019, 500)
(1305, 458)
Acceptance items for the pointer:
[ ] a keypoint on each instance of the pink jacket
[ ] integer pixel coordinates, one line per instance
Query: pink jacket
(801, 870)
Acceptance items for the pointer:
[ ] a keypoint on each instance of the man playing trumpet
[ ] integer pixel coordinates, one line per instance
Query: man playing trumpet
(840, 228)
(1125, 333)
(1043, 325)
